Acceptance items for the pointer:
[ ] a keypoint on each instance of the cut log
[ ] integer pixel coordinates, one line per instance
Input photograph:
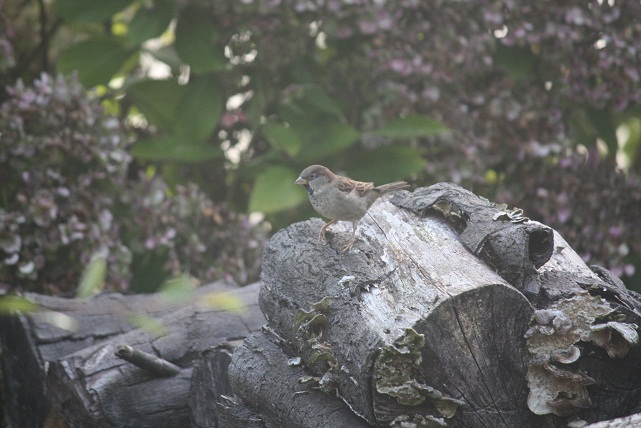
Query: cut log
(505, 239)
(94, 386)
(90, 386)
(33, 340)
(582, 343)
(410, 326)
(451, 310)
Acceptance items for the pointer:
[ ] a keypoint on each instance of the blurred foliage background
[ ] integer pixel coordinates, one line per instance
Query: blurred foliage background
(143, 140)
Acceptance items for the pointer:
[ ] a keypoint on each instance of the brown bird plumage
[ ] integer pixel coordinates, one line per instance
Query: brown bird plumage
(341, 198)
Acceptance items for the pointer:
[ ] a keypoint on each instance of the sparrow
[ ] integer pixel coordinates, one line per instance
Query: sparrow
(341, 198)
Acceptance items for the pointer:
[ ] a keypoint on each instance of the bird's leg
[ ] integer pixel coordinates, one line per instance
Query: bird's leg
(351, 241)
(321, 237)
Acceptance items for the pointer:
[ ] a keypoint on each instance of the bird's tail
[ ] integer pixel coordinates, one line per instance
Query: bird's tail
(391, 187)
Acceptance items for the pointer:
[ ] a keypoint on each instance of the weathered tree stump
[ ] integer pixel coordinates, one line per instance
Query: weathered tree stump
(74, 376)
(450, 310)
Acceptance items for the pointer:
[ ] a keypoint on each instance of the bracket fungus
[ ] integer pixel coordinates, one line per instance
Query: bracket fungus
(554, 341)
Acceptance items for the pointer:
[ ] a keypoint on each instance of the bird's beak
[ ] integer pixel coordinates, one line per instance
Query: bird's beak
(300, 181)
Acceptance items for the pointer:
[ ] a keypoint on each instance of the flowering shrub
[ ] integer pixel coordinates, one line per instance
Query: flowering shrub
(267, 87)
(67, 195)
(593, 205)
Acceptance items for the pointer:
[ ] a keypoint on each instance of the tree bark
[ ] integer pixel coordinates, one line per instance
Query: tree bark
(450, 310)
(211, 399)
(414, 327)
(75, 376)
(286, 396)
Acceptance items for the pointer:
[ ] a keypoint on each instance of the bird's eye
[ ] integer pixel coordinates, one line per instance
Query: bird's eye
(312, 176)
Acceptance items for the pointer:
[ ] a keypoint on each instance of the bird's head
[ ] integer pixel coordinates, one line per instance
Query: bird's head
(314, 177)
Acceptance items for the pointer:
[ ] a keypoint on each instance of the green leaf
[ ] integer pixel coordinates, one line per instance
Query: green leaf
(199, 109)
(282, 138)
(177, 289)
(167, 55)
(319, 99)
(225, 301)
(158, 101)
(274, 191)
(96, 60)
(196, 41)
(312, 101)
(189, 111)
(150, 22)
(93, 277)
(411, 127)
(83, 11)
(147, 323)
(325, 140)
(387, 163)
(175, 149)
(16, 304)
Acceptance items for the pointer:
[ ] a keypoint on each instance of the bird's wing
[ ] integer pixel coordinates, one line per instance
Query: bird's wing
(346, 185)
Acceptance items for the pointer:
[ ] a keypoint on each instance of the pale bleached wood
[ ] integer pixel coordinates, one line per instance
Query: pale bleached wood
(404, 273)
